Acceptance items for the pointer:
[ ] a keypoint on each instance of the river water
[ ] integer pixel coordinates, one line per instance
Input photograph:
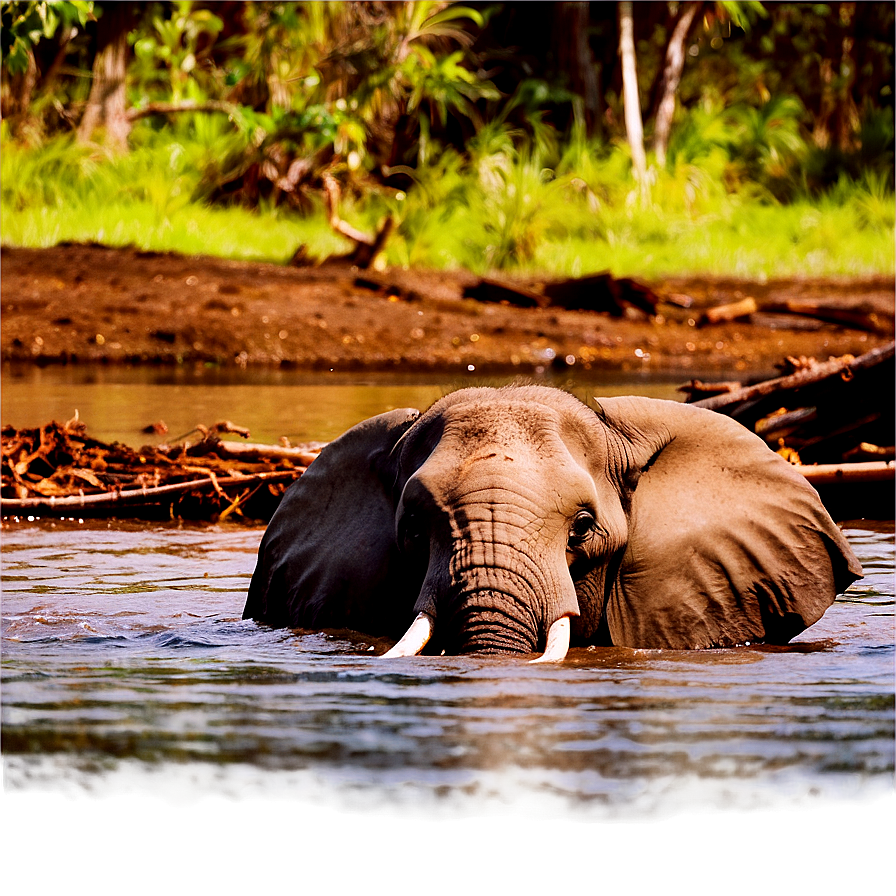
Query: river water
(126, 669)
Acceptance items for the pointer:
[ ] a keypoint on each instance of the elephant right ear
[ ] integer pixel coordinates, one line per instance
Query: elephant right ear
(329, 558)
(727, 542)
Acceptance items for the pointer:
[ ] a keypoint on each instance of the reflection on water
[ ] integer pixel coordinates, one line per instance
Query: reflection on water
(117, 403)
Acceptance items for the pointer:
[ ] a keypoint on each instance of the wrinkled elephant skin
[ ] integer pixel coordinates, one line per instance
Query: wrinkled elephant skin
(520, 520)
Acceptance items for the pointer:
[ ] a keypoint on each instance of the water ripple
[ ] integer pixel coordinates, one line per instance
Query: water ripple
(126, 646)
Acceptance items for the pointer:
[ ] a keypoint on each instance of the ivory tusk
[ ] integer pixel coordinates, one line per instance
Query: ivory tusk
(558, 642)
(414, 639)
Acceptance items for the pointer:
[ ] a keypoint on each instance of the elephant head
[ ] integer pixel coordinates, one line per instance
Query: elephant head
(519, 519)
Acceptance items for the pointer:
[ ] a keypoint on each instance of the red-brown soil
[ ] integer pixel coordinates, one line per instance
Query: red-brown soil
(76, 303)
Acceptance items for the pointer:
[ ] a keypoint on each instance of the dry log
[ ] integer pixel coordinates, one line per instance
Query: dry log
(826, 474)
(678, 299)
(724, 313)
(854, 318)
(603, 293)
(772, 321)
(836, 366)
(253, 451)
(821, 413)
(783, 422)
(223, 426)
(698, 387)
(867, 451)
(142, 495)
(487, 290)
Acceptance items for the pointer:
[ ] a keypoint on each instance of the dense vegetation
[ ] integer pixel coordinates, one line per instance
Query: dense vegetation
(759, 140)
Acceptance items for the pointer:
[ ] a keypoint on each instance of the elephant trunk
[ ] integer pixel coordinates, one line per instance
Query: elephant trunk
(490, 611)
(489, 595)
(484, 624)
(418, 635)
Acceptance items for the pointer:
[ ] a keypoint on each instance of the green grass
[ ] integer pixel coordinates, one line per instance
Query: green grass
(63, 192)
(192, 230)
(496, 209)
(752, 242)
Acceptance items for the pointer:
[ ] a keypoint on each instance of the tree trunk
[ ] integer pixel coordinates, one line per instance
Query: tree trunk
(631, 101)
(107, 103)
(574, 56)
(847, 116)
(838, 117)
(671, 78)
(21, 90)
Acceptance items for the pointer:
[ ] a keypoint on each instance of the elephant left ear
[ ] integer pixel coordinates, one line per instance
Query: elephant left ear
(727, 543)
(328, 558)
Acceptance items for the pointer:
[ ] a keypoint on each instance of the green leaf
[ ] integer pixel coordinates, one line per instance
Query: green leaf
(16, 59)
(452, 13)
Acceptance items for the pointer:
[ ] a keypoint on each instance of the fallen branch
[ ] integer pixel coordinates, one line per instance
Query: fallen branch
(777, 424)
(602, 293)
(253, 451)
(142, 495)
(367, 247)
(866, 451)
(487, 290)
(723, 313)
(177, 108)
(854, 318)
(827, 474)
(815, 374)
(698, 387)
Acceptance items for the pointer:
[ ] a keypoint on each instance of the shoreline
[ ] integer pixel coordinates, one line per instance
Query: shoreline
(87, 304)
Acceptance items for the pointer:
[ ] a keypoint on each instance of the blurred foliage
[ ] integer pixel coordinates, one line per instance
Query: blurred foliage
(463, 122)
(24, 25)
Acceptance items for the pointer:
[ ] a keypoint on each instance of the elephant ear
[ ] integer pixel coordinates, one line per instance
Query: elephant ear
(329, 558)
(727, 543)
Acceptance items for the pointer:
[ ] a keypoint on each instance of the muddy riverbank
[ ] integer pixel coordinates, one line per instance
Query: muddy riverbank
(75, 303)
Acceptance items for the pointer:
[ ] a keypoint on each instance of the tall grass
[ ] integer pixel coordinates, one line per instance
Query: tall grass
(501, 205)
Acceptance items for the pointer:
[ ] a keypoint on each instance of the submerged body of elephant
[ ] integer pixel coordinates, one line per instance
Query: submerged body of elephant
(518, 520)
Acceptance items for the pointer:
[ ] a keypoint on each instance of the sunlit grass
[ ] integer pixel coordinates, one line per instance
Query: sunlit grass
(499, 210)
(755, 242)
(194, 230)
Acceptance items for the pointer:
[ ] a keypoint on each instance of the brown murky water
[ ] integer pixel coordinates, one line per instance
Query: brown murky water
(116, 403)
(126, 666)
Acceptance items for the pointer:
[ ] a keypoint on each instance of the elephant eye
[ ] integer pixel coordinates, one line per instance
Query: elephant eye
(582, 526)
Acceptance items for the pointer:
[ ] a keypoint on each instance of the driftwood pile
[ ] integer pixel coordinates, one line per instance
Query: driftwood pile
(59, 470)
(834, 418)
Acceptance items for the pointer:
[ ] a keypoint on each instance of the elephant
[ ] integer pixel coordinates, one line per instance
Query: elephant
(521, 520)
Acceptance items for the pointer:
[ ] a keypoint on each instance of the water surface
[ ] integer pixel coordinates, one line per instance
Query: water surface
(117, 403)
(134, 694)
(127, 673)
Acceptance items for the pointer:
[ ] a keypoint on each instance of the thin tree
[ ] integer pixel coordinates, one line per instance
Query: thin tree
(631, 101)
(671, 78)
(574, 56)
